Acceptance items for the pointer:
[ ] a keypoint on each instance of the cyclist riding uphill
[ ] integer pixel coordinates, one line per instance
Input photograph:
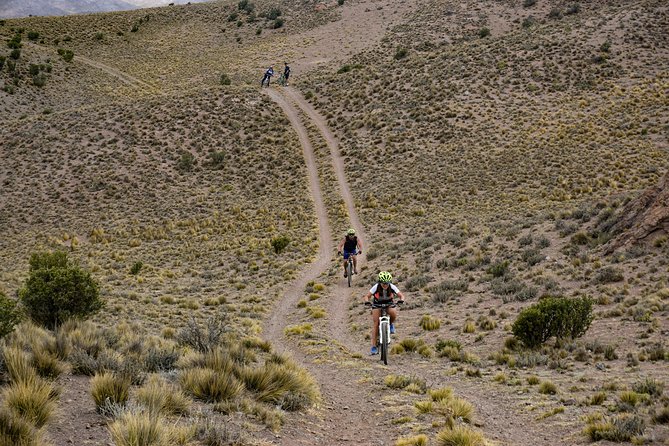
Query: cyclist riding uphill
(352, 246)
(383, 292)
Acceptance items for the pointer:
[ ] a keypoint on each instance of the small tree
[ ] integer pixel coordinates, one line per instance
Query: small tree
(279, 243)
(553, 316)
(9, 315)
(57, 290)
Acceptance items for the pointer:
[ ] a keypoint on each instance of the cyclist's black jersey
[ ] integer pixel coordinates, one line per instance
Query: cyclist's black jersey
(350, 244)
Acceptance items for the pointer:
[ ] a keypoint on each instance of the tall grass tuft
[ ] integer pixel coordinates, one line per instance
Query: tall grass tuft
(418, 440)
(460, 436)
(18, 365)
(138, 429)
(162, 398)
(34, 400)
(109, 388)
(17, 431)
(209, 385)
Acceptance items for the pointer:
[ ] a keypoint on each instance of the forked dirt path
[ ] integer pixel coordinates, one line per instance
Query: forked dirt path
(347, 405)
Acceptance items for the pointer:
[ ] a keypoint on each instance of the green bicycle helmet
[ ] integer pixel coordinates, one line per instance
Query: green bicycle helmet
(350, 232)
(385, 277)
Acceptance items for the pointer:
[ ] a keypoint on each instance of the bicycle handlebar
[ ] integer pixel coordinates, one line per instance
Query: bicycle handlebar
(388, 305)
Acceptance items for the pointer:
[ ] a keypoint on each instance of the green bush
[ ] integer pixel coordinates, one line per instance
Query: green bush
(553, 316)
(2, 61)
(136, 268)
(57, 290)
(67, 55)
(279, 243)
(401, 53)
(9, 315)
(33, 35)
(273, 13)
(225, 79)
(484, 32)
(278, 23)
(15, 54)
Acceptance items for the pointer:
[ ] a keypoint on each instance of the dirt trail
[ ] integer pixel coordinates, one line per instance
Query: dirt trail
(120, 75)
(346, 402)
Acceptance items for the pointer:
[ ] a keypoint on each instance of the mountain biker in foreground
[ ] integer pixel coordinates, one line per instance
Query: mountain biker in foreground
(352, 246)
(383, 292)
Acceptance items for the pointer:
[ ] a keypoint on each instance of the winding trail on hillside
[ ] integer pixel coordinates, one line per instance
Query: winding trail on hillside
(126, 78)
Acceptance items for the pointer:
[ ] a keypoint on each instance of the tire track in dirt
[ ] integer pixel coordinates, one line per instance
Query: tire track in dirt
(338, 307)
(347, 403)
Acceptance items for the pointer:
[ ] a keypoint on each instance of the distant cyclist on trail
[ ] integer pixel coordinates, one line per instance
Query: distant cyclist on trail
(268, 75)
(352, 246)
(286, 73)
(383, 292)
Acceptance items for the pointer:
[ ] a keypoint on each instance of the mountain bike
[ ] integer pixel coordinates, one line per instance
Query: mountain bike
(349, 267)
(383, 339)
(282, 80)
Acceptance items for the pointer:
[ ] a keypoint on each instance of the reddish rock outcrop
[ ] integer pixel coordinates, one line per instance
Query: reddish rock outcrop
(643, 219)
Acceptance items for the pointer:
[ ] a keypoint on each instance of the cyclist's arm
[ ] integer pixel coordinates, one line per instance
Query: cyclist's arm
(341, 245)
(366, 297)
(359, 246)
(400, 296)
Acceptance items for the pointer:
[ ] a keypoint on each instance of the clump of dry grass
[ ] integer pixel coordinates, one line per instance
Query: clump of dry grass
(162, 398)
(460, 435)
(109, 388)
(209, 385)
(33, 399)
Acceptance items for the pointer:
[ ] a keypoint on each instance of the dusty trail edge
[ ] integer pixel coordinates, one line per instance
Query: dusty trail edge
(343, 416)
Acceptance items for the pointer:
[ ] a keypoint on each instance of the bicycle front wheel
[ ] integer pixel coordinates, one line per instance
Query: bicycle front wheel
(349, 272)
(384, 328)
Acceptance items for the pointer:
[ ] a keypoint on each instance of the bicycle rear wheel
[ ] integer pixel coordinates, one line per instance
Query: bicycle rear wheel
(349, 272)
(384, 342)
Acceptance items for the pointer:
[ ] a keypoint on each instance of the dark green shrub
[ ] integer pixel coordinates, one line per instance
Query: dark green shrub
(2, 61)
(225, 79)
(401, 53)
(186, 162)
(67, 55)
(555, 13)
(573, 9)
(134, 28)
(279, 243)
(9, 315)
(278, 23)
(273, 14)
(99, 36)
(484, 32)
(57, 290)
(529, 21)
(499, 269)
(233, 17)
(15, 54)
(217, 160)
(15, 42)
(39, 80)
(33, 35)
(34, 69)
(340, 2)
(553, 316)
(608, 274)
(528, 3)
(136, 268)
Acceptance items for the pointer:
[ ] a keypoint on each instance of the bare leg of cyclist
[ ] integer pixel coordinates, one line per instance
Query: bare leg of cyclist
(375, 326)
(392, 312)
(355, 264)
(345, 264)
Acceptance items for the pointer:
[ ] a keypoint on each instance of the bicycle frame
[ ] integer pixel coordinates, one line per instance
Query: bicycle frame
(384, 329)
